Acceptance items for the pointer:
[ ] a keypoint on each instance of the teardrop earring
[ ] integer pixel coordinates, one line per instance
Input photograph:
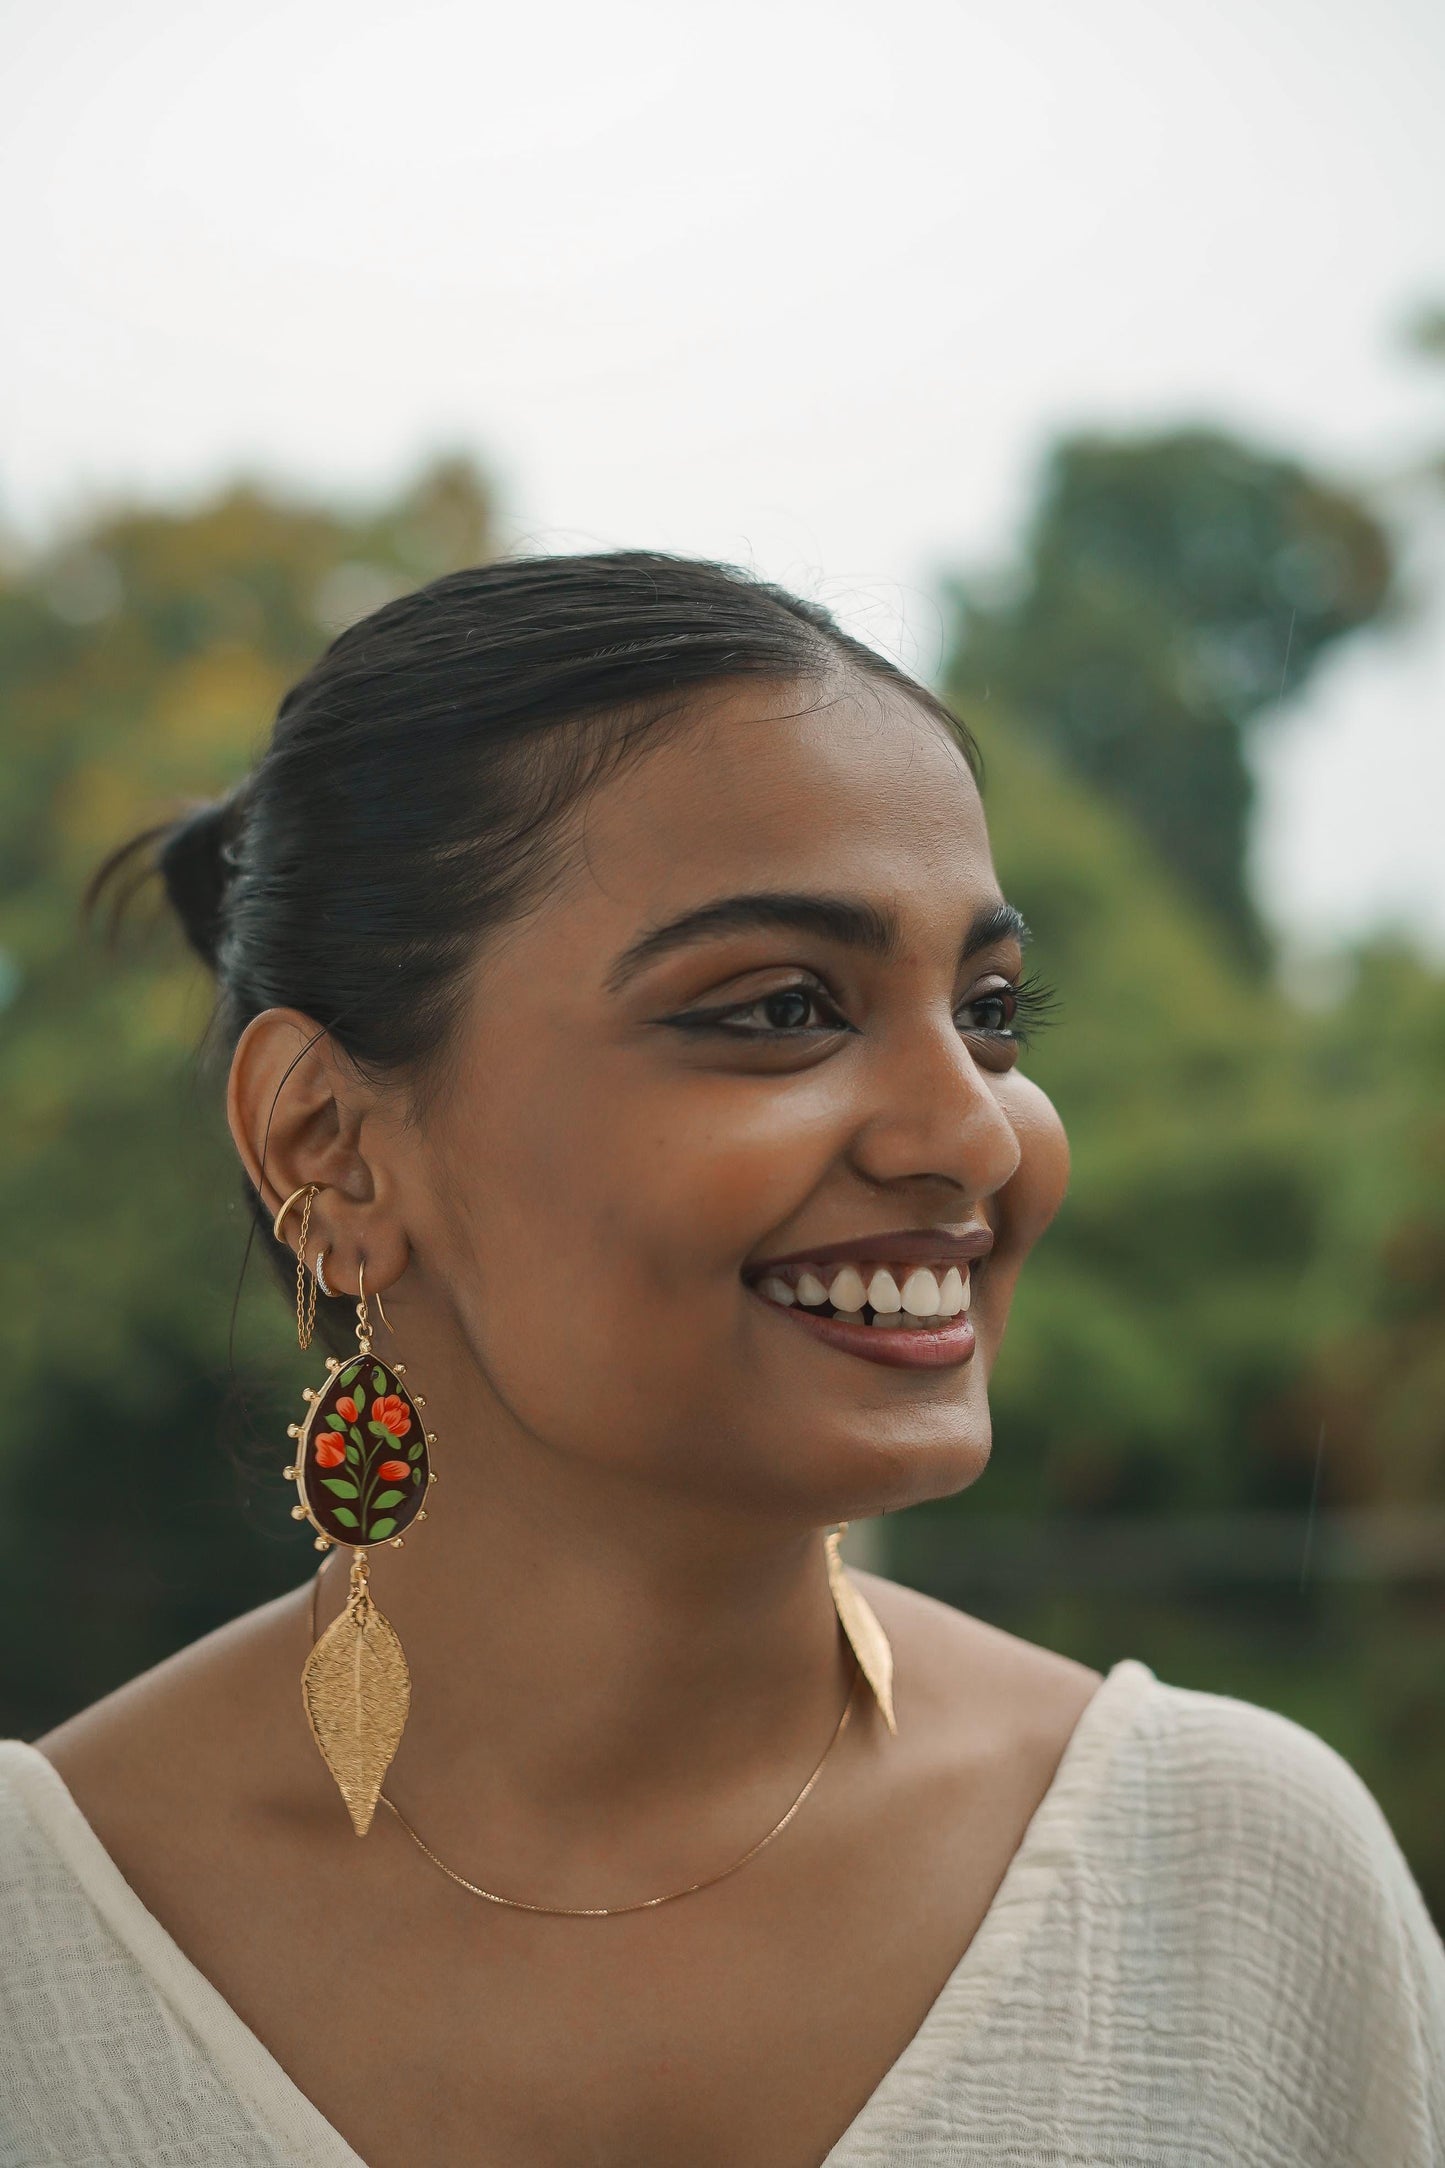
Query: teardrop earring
(362, 1471)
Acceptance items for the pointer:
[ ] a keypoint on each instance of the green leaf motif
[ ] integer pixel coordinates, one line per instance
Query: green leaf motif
(378, 1430)
(345, 1515)
(416, 1475)
(348, 1374)
(378, 1529)
(353, 1454)
(388, 1498)
(378, 1381)
(413, 1452)
(339, 1484)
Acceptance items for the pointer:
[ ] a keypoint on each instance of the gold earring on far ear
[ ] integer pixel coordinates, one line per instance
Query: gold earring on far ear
(860, 1622)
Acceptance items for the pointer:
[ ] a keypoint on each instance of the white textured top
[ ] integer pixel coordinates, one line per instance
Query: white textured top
(1208, 1951)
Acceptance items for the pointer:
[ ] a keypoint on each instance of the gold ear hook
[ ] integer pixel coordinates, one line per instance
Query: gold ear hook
(375, 1297)
(361, 1287)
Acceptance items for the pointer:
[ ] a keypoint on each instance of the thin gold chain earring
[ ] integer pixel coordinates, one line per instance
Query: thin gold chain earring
(305, 1295)
(362, 1471)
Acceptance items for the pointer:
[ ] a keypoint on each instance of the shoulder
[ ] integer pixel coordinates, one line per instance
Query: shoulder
(111, 1826)
(987, 1706)
(47, 1858)
(944, 1654)
(1218, 1876)
(1266, 1841)
(55, 1954)
(31, 1796)
(1201, 1808)
(100, 2057)
(1259, 1786)
(205, 1739)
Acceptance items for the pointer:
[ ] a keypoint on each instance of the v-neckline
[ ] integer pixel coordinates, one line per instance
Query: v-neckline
(278, 2104)
(998, 1945)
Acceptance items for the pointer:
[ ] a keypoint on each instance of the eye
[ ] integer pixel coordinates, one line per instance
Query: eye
(1024, 1006)
(786, 1012)
(791, 1009)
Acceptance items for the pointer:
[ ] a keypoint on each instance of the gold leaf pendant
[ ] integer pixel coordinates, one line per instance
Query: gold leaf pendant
(357, 1689)
(861, 1624)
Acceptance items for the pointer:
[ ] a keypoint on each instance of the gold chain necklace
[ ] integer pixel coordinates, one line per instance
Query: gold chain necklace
(645, 1904)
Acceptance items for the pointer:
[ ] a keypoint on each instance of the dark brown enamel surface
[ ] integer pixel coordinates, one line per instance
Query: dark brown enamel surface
(364, 1421)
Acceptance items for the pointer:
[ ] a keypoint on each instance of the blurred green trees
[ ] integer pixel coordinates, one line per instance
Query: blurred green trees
(1239, 1312)
(1233, 1336)
(141, 661)
(1171, 591)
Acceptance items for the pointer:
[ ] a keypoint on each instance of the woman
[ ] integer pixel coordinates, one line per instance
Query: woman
(624, 1016)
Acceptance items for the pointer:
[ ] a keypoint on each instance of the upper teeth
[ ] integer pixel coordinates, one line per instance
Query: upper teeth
(923, 1293)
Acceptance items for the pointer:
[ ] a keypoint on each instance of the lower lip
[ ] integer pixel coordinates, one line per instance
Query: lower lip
(934, 1347)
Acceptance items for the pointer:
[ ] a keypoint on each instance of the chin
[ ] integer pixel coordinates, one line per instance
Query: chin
(937, 1470)
(858, 1480)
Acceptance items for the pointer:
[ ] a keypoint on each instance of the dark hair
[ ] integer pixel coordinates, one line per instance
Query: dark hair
(409, 799)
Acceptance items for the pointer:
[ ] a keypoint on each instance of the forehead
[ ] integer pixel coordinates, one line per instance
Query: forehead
(850, 785)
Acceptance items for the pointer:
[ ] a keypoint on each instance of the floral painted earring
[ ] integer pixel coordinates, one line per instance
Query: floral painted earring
(362, 1472)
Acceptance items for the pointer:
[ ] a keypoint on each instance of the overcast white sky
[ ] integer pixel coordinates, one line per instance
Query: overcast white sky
(807, 285)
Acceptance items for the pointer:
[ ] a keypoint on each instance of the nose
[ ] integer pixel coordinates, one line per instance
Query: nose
(930, 1112)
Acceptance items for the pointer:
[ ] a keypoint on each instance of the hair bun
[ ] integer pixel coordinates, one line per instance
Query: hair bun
(196, 860)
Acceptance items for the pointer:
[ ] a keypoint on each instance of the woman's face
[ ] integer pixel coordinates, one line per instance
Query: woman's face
(638, 1122)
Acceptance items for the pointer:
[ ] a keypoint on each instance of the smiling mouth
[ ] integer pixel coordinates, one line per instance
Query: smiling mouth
(925, 1297)
(913, 1317)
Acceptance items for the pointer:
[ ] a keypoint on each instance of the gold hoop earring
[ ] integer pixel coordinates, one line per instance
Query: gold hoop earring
(301, 1192)
(305, 1297)
(362, 1471)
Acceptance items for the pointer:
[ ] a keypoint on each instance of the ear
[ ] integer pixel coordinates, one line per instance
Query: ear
(298, 1113)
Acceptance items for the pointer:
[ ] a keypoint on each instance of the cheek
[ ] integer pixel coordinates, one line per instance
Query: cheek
(659, 1195)
(1028, 1201)
(605, 1240)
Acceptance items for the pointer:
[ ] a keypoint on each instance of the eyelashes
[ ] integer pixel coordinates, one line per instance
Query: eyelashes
(1035, 1006)
(1030, 1003)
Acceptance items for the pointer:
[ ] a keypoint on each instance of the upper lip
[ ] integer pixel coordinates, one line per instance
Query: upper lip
(908, 1246)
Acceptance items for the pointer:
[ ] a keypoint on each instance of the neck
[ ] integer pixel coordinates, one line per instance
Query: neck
(588, 1656)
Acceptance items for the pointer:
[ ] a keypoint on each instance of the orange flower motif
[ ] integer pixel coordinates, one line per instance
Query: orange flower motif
(330, 1449)
(392, 1414)
(346, 1408)
(393, 1471)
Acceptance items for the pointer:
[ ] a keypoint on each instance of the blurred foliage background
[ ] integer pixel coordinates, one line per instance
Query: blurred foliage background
(1218, 1413)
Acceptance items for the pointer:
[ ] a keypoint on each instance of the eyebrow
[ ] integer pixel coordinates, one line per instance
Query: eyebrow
(848, 920)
